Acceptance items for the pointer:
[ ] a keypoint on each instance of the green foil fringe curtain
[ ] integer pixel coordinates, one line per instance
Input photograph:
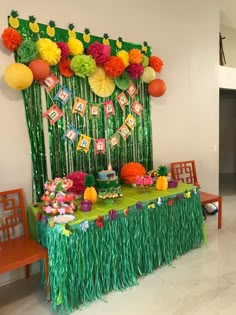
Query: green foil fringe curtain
(64, 158)
(86, 265)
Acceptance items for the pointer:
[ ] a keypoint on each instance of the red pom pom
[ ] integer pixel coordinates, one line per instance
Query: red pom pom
(156, 63)
(11, 38)
(156, 87)
(40, 69)
(78, 178)
(64, 68)
(114, 67)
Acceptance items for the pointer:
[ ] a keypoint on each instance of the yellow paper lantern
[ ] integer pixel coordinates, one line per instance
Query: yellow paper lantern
(148, 75)
(18, 76)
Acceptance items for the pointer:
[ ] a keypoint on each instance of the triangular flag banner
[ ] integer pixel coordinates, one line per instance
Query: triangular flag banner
(53, 114)
(130, 121)
(94, 111)
(124, 132)
(84, 143)
(50, 82)
(122, 100)
(100, 146)
(132, 90)
(63, 95)
(137, 108)
(71, 134)
(109, 108)
(79, 106)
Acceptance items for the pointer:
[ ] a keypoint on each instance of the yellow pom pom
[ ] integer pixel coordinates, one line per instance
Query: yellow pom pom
(49, 51)
(76, 47)
(124, 55)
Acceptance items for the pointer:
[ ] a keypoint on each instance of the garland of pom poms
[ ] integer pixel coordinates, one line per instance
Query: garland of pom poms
(81, 58)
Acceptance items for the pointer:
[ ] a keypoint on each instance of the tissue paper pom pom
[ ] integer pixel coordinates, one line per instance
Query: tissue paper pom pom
(148, 75)
(78, 178)
(100, 52)
(130, 171)
(18, 76)
(124, 56)
(135, 56)
(135, 70)
(64, 68)
(49, 51)
(76, 47)
(83, 65)
(11, 38)
(27, 51)
(40, 69)
(65, 52)
(156, 63)
(145, 60)
(114, 67)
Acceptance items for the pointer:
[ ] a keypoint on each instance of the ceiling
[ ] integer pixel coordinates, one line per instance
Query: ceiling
(228, 13)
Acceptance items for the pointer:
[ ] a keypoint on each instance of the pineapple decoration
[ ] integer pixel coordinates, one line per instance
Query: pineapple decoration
(106, 39)
(86, 35)
(90, 192)
(144, 47)
(162, 181)
(51, 28)
(119, 43)
(33, 25)
(13, 19)
(71, 30)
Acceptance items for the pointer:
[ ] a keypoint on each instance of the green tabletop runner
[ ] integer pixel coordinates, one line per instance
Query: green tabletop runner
(91, 262)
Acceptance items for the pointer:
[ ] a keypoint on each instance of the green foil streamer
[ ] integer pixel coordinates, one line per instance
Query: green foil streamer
(64, 158)
(86, 265)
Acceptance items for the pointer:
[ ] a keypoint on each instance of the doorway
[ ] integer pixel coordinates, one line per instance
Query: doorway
(227, 142)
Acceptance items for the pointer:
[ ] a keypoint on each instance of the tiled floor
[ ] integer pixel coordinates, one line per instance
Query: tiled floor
(202, 282)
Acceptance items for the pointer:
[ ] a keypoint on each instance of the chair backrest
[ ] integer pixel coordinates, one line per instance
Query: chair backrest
(184, 171)
(13, 222)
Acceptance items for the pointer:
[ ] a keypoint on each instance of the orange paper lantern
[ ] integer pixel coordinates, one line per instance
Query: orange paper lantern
(40, 69)
(157, 87)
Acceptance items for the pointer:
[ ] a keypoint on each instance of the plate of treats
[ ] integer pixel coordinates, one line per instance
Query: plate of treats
(63, 218)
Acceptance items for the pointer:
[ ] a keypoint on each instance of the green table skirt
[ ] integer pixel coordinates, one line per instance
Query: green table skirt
(86, 263)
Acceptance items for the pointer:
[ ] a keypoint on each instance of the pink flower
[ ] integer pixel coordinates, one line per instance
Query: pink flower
(99, 52)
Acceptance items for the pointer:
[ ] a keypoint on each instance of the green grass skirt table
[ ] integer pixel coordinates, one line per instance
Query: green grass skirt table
(149, 229)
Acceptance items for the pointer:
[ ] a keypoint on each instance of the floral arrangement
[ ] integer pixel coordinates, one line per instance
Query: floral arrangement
(145, 181)
(72, 58)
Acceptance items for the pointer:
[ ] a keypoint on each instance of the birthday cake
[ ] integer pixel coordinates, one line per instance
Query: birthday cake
(108, 184)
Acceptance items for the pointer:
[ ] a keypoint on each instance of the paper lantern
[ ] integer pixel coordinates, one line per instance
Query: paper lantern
(148, 75)
(40, 69)
(156, 87)
(18, 76)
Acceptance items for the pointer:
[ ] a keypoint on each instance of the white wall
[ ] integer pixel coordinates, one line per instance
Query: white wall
(229, 44)
(184, 34)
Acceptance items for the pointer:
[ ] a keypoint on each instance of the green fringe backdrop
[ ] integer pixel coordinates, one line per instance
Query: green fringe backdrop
(63, 157)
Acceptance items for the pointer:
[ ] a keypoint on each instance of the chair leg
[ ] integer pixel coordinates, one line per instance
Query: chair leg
(27, 271)
(46, 272)
(220, 213)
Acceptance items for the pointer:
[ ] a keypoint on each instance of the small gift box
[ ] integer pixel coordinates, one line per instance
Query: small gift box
(172, 183)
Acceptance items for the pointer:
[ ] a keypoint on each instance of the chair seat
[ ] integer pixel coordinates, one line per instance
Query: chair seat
(208, 198)
(19, 252)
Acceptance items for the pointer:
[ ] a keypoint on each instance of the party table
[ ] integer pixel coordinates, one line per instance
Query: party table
(109, 247)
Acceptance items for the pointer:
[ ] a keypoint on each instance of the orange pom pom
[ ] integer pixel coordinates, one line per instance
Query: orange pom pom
(114, 67)
(135, 56)
(130, 171)
(11, 38)
(156, 63)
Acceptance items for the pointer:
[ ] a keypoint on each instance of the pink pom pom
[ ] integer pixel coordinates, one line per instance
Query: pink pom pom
(65, 52)
(78, 178)
(135, 70)
(99, 52)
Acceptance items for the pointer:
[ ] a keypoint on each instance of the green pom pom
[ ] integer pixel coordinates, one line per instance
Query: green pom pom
(145, 60)
(89, 180)
(27, 51)
(83, 65)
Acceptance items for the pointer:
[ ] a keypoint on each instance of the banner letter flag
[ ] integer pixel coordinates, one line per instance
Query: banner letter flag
(79, 106)
(71, 134)
(124, 132)
(53, 114)
(122, 100)
(94, 111)
(109, 109)
(50, 82)
(132, 90)
(130, 121)
(100, 146)
(84, 143)
(114, 141)
(63, 95)
(137, 108)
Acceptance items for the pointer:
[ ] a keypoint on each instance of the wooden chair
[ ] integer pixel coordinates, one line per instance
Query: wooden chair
(185, 171)
(18, 251)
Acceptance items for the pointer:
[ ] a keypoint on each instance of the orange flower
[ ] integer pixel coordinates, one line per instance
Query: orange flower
(11, 38)
(64, 68)
(156, 63)
(135, 56)
(114, 67)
